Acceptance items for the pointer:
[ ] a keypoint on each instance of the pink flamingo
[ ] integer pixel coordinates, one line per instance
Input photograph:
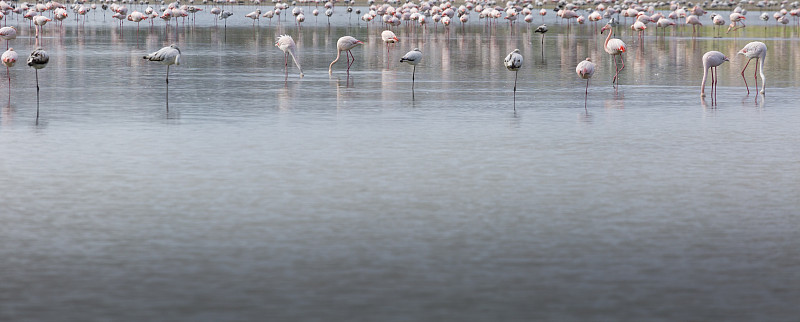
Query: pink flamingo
(389, 38)
(345, 43)
(757, 50)
(614, 47)
(8, 33)
(711, 60)
(694, 21)
(9, 59)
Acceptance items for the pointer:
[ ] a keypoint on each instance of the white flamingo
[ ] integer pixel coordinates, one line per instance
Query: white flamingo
(8, 33)
(711, 60)
(287, 45)
(170, 55)
(585, 70)
(413, 58)
(757, 50)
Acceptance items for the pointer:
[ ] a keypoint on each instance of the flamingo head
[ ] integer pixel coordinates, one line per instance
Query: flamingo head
(606, 27)
(396, 40)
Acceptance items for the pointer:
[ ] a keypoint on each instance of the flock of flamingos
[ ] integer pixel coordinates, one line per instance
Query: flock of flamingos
(393, 13)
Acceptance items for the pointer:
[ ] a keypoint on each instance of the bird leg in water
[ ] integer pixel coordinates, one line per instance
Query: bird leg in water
(516, 72)
(167, 89)
(286, 63)
(586, 96)
(616, 69)
(37, 96)
(413, 74)
(744, 79)
(755, 74)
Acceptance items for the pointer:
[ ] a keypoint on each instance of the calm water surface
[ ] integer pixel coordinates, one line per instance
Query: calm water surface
(336, 198)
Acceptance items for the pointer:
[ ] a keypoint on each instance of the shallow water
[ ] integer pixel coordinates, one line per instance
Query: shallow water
(348, 198)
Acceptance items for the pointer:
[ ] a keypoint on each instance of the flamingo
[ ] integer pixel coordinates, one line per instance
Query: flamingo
(412, 58)
(287, 45)
(757, 50)
(736, 18)
(345, 43)
(640, 27)
(38, 60)
(40, 21)
(694, 21)
(513, 62)
(542, 30)
(764, 17)
(718, 21)
(170, 55)
(614, 47)
(585, 70)
(389, 38)
(711, 60)
(8, 33)
(254, 15)
(9, 59)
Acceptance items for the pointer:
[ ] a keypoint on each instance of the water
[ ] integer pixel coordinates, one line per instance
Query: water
(344, 198)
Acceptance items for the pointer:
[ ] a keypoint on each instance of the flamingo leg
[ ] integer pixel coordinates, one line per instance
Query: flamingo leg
(713, 84)
(755, 74)
(413, 74)
(616, 69)
(586, 96)
(37, 96)
(167, 89)
(745, 80)
(516, 72)
(387, 55)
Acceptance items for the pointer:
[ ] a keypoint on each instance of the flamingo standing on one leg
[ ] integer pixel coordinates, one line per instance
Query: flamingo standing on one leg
(542, 30)
(389, 38)
(513, 62)
(8, 33)
(757, 50)
(614, 47)
(345, 43)
(170, 55)
(286, 43)
(38, 60)
(413, 58)
(711, 60)
(585, 70)
(9, 59)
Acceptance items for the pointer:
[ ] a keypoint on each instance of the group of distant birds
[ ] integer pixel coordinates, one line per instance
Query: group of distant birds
(439, 12)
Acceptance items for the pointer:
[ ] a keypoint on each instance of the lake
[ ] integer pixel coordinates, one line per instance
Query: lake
(345, 197)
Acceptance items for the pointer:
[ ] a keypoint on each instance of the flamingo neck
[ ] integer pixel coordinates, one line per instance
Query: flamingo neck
(761, 71)
(291, 52)
(703, 84)
(610, 31)
(330, 68)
